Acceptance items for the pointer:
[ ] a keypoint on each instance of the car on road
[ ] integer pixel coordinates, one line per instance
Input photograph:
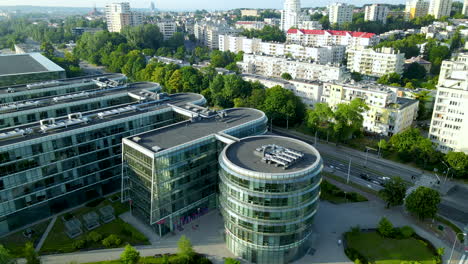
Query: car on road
(365, 176)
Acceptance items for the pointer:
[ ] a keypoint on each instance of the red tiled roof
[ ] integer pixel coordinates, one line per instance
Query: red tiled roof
(245, 22)
(332, 32)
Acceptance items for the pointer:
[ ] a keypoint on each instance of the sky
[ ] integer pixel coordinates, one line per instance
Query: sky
(189, 4)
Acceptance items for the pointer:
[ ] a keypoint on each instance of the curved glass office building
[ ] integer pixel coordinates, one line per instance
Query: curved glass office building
(269, 191)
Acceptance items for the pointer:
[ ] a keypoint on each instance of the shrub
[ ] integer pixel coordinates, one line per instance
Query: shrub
(406, 232)
(111, 241)
(130, 255)
(126, 231)
(355, 230)
(231, 261)
(139, 236)
(67, 216)
(94, 237)
(385, 227)
(354, 255)
(79, 244)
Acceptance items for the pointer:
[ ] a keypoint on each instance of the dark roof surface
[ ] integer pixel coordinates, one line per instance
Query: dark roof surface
(17, 64)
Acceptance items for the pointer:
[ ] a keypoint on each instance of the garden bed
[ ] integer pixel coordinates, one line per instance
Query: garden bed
(333, 194)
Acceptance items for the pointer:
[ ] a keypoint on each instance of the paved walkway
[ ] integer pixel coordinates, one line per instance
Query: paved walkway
(46, 233)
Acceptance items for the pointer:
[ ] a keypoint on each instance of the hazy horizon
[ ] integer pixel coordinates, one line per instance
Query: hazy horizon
(188, 4)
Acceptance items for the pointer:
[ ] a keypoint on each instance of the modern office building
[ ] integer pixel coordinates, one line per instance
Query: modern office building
(291, 15)
(275, 66)
(167, 27)
(26, 68)
(465, 8)
(322, 55)
(376, 12)
(119, 15)
(340, 13)
(375, 63)
(440, 8)
(61, 142)
(269, 191)
(416, 8)
(388, 114)
(324, 38)
(171, 173)
(449, 124)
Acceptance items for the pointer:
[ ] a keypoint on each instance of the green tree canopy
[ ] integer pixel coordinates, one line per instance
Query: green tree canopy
(5, 256)
(394, 192)
(458, 161)
(185, 249)
(423, 202)
(130, 255)
(385, 227)
(286, 76)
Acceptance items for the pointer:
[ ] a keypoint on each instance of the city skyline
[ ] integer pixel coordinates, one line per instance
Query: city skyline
(190, 5)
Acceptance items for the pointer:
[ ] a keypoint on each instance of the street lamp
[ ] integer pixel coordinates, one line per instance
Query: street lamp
(453, 247)
(447, 172)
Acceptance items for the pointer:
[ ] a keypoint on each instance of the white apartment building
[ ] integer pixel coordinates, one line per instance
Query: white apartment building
(322, 38)
(340, 13)
(250, 12)
(119, 15)
(440, 8)
(376, 12)
(207, 33)
(375, 63)
(449, 124)
(291, 15)
(321, 55)
(465, 8)
(275, 66)
(416, 8)
(310, 24)
(388, 114)
(167, 27)
(310, 92)
(249, 25)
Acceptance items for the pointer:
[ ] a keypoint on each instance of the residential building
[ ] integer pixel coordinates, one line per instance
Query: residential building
(416, 8)
(167, 27)
(310, 92)
(250, 13)
(310, 25)
(65, 150)
(465, 8)
(119, 15)
(28, 67)
(81, 30)
(388, 114)
(375, 63)
(291, 15)
(440, 8)
(376, 12)
(207, 33)
(321, 55)
(168, 60)
(449, 124)
(419, 60)
(340, 13)
(249, 25)
(273, 21)
(321, 38)
(276, 66)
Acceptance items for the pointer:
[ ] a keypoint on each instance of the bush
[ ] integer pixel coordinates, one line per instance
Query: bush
(355, 230)
(406, 232)
(139, 236)
(354, 255)
(94, 237)
(126, 231)
(385, 227)
(130, 255)
(67, 216)
(231, 261)
(79, 244)
(111, 241)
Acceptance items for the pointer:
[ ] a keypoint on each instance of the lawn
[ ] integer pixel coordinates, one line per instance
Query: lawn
(59, 242)
(16, 241)
(380, 250)
(333, 194)
(168, 259)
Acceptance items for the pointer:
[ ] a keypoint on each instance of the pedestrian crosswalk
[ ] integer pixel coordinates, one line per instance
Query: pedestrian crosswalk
(463, 259)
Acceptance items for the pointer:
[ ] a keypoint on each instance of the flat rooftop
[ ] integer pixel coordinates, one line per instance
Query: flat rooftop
(175, 135)
(26, 63)
(176, 99)
(243, 154)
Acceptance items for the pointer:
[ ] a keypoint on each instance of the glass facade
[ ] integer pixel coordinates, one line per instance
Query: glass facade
(268, 217)
(31, 77)
(43, 176)
(171, 187)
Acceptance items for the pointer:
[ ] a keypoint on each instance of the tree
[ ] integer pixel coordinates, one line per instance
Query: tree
(390, 78)
(415, 71)
(348, 119)
(48, 49)
(143, 36)
(385, 227)
(30, 254)
(185, 249)
(458, 161)
(423, 202)
(130, 255)
(394, 192)
(286, 76)
(268, 34)
(356, 76)
(5, 256)
(175, 82)
(319, 118)
(283, 105)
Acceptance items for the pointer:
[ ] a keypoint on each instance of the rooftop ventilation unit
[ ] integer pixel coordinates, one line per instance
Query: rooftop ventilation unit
(70, 96)
(14, 106)
(51, 124)
(278, 155)
(117, 111)
(136, 139)
(15, 133)
(41, 85)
